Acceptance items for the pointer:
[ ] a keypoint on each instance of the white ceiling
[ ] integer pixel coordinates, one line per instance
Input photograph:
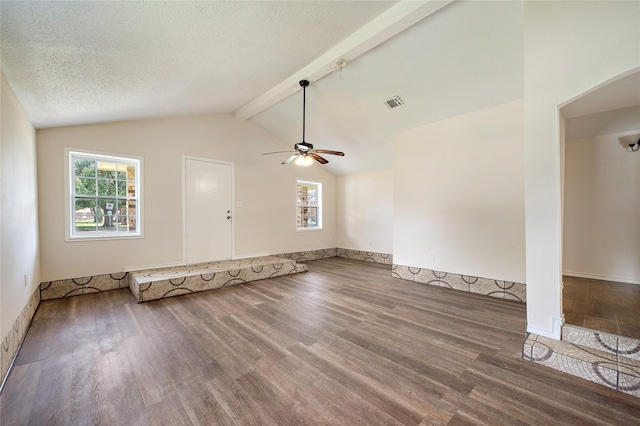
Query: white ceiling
(464, 57)
(613, 107)
(90, 62)
(620, 93)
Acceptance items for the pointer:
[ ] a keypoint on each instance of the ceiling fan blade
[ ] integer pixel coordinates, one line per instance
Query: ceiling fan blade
(276, 152)
(318, 158)
(290, 159)
(327, 151)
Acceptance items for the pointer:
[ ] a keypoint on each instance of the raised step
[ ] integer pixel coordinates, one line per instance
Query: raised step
(625, 347)
(160, 283)
(615, 364)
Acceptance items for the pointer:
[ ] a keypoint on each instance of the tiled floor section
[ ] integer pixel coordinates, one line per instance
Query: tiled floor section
(600, 336)
(168, 282)
(605, 342)
(609, 367)
(602, 305)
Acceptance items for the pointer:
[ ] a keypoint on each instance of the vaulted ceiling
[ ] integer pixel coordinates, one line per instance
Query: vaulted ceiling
(91, 62)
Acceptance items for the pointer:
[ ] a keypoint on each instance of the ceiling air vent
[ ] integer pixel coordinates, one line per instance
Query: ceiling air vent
(393, 102)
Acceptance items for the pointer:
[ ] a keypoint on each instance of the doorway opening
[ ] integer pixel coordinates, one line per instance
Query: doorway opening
(601, 209)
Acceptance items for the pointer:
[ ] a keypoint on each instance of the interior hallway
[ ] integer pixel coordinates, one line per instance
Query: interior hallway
(599, 305)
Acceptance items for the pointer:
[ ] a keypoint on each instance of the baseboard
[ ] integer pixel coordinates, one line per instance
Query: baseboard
(555, 332)
(12, 342)
(470, 284)
(365, 256)
(600, 277)
(307, 255)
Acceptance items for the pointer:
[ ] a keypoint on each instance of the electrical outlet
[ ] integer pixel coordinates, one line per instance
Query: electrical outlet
(25, 280)
(432, 255)
(370, 243)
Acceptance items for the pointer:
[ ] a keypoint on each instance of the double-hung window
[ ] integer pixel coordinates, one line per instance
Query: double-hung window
(104, 196)
(309, 205)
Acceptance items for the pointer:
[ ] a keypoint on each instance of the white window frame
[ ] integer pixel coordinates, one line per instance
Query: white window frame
(70, 233)
(318, 226)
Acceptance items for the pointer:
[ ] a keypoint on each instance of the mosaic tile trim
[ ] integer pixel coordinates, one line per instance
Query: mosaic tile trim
(623, 346)
(485, 286)
(168, 282)
(304, 256)
(85, 285)
(366, 256)
(97, 283)
(11, 342)
(605, 368)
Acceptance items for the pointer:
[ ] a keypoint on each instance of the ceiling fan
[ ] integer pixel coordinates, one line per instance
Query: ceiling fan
(304, 154)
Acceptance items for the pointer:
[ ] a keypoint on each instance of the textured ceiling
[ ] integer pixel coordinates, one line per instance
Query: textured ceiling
(89, 62)
(86, 62)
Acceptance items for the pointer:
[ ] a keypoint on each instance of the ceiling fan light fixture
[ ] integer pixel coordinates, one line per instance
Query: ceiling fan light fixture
(304, 160)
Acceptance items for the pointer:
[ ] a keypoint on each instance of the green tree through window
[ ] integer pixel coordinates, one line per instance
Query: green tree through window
(105, 195)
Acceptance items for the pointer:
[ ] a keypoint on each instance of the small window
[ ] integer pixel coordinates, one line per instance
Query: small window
(105, 199)
(309, 205)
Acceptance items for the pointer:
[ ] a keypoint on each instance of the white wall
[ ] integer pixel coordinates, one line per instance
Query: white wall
(570, 47)
(459, 195)
(18, 209)
(602, 210)
(266, 223)
(365, 211)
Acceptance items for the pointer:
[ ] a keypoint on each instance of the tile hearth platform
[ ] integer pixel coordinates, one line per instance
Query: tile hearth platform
(160, 283)
(607, 359)
(70, 287)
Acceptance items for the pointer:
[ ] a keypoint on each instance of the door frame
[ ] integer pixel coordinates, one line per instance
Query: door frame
(184, 202)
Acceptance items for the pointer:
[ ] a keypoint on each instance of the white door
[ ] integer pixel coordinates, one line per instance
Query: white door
(208, 198)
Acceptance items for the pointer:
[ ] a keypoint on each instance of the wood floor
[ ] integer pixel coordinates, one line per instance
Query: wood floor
(343, 344)
(602, 305)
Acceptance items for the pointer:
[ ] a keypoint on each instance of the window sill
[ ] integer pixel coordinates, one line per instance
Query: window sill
(308, 229)
(111, 237)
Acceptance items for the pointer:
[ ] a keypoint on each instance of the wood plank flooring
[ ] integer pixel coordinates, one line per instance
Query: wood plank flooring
(343, 344)
(600, 305)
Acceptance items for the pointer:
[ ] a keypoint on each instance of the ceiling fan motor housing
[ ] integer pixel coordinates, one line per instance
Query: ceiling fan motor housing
(303, 146)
